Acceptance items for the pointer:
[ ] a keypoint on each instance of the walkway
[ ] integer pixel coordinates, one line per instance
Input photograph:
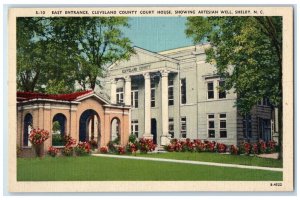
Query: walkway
(190, 162)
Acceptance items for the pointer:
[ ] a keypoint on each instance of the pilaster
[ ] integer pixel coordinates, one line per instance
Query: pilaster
(113, 88)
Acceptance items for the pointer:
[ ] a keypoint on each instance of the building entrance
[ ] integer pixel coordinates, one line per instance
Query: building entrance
(89, 126)
(154, 130)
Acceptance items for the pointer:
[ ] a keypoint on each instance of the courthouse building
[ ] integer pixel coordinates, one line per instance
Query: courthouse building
(164, 95)
(175, 94)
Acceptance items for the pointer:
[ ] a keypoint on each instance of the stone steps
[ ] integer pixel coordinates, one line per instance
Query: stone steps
(159, 149)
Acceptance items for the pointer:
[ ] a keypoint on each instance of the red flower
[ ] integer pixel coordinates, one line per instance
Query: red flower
(52, 151)
(233, 150)
(38, 136)
(221, 148)
(104, 149)
(121, 150)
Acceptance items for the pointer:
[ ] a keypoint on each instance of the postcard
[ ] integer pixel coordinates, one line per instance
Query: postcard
(151, 99)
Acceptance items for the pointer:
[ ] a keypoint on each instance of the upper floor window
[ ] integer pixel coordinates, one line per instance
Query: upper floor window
(152, 93)
(171, 91)
(120, 95)
(183, 90)
(210, 90)
(264, 102)
(222, 94)
(134, 97)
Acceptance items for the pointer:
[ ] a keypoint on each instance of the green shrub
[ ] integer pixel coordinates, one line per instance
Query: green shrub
(117, 140)
(111, 147)
(132, 138)
(57, 140)
(67, 151)
(82, 149)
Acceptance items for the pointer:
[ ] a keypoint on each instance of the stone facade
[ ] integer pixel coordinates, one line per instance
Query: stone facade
(197, 108)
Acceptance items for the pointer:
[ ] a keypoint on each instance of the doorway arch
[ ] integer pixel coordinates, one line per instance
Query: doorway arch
(27, 128)
(89, 126)
(115, 130)
(59, 123)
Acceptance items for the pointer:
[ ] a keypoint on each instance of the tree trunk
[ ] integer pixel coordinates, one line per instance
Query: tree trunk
(93, 82)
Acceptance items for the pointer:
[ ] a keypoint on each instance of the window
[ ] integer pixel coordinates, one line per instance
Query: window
(171, 91)
(210, 90)
(135, 127)
(211, 125)
(134, 97)
(171, 127)
(223, 128)
(247, 126)
(120, 95)
(115, 129)
(152, 93)
(183, 127)
(264, 102)
(222, 94)
(183, 90)
(27, 129)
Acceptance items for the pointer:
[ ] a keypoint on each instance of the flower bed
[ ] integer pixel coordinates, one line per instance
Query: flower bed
(134, 145)
(145, 145)
(69, 146)
(103, 149)
(194, 145)
(52, 151)
(211, 146)
(82, 149)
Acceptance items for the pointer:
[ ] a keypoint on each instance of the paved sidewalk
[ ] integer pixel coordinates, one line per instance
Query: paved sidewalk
(191, 162)
(272, 155)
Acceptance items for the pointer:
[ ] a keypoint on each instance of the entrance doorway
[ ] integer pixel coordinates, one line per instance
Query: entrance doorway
(89, 126)
(154, 130)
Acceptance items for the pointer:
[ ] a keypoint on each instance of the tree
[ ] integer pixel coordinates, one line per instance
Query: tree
(39, 64)
(64, 51)
(30, 53)
(247, 53)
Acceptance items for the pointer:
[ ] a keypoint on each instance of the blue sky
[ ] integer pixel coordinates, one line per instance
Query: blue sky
(158, 33)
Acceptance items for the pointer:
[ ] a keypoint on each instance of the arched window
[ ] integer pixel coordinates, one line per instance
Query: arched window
(27, 129)
(58, 129)
(115, 130)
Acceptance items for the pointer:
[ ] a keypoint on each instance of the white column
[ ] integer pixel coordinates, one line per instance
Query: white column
(127, 91)
(276, 120)
(147, 107)
(164, 108)
(113, 88)
(127, 98)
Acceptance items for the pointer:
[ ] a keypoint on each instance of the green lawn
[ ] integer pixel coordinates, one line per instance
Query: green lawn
(92, 168)
(218, 158)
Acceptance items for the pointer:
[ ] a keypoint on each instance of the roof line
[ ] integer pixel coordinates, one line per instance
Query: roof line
(93, 94)
(156, 54)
